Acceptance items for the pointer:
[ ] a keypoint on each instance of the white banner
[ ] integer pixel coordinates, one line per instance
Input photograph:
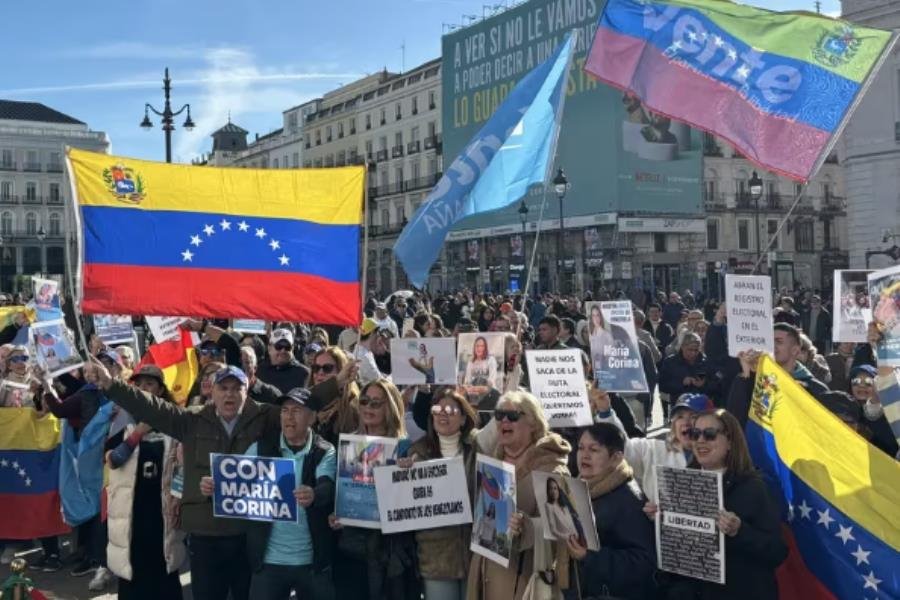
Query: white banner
(557, 380)
(164, 328)
(429, 494)
(254, 326)
(749, 302)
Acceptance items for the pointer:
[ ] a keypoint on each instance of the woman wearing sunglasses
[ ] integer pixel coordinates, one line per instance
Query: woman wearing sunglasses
(875, 425)
(15, 390)
(524, 440)
(751, 524)
(334, 387)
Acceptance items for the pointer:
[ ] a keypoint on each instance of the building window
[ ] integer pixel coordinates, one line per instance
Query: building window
(284, 162)
(398, 139)
(659, 242)
(328, 133)
(369, 149)
(31, 223)
(398, 176)
(6, 223)
(414, 134)
(31, 191)
(31, 161)
(6, 158)
(431, 102)
(385, 217)
(826, 191)
(295, 159)
(383, 177)
(712, 234)
(401, 214)
(275, 163)
(54, 224)
(340, 130)
(432, 167)
(382, 143)
(55, 161)
(54, 192)
(383, 116)
(292, 122)
(414, 170)
(353, 126)
(6, 190)
(415, 105)
(397, 112)
(743, 233)
(432, 128)
(771, 228)
(804, 236)
(318, 137)
(368, 122)
(709, 191)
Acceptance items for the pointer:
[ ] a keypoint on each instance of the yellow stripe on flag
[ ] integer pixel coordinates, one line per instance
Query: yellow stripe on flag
(24, 429)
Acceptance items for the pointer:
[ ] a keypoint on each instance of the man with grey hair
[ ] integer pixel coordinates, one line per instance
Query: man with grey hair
(258, 390)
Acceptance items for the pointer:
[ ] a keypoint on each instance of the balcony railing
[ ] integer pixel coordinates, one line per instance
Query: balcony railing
(54, 168)
(385, 230)
(32, 199)
(413, 147)
(714, 201)
(9, 199)
(12, 199)
(33, 167)
(423, 182)
(397, 151)
(24, 235)
(381, 155)
(433, 141)
(7, 166)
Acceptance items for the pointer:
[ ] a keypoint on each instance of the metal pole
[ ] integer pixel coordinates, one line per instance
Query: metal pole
(167, 116)
(559, 250)
(758, 252)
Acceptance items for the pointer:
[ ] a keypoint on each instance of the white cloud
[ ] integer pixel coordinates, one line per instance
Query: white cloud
(133, 51)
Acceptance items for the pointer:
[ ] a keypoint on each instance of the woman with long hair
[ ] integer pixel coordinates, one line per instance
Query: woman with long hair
(333, 387)
(562, 518)
(482, 370)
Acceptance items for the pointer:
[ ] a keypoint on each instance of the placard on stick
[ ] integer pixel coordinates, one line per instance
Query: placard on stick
(557, 380)
(750, 324)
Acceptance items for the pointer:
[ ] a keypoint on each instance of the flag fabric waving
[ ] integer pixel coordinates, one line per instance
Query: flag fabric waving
(513, 151)
(777, 86)
(160, 239)
(29, 475)
(178, 361)
(840, 496)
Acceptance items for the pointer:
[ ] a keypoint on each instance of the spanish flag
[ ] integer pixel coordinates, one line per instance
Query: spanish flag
(840, 496)
(29, 475)
(159, 239)
(178, 361)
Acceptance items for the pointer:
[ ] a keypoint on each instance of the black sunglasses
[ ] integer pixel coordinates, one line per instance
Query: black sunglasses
(327, 369)
(709, 434)
(282, 346)
(375, 403)
(510, 415)
(210, 351)
(18, 358)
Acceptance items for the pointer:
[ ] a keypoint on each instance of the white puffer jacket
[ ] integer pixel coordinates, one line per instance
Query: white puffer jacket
(120, 494)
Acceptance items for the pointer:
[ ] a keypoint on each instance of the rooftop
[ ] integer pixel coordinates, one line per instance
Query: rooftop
(13, 110)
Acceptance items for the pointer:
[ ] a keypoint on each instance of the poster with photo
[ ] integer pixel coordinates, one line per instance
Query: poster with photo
(15, 394)
(615, 354)
(55, 350)
(420, 361)
(852, 312)
(480, 364)
(46, 299)
(884, 298)
(516, 249)
(114, 329)
(356, 499)
(495, 501)
(565, 508)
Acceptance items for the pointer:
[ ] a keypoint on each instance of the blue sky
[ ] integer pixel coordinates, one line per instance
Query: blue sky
(100, 62)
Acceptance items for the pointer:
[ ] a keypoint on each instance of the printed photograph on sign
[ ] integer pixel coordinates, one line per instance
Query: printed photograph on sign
(556, 378)
(852, 312)
(54, 347)
(356, 499)
(419, 361)
(480, 364)
(615, 354)
(253, 488)
(46, 299)
(565, 508)
(114, 329)
(495, 501)
(15, 394)
(884, 297)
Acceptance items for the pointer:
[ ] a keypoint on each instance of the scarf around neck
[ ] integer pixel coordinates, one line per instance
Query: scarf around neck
(609, 480)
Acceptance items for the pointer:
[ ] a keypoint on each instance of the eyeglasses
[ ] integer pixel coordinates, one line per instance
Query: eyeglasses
(284, 347)
(510, 415)
(210, 351)
(326, 369)
(446, 409)
(709, 434)
(18, 358)
(863, 381)
(375, 403)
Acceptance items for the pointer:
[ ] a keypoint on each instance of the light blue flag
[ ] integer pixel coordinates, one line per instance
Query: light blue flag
(513, 151)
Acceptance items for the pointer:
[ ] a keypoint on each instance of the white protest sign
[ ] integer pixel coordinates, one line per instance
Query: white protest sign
(164, 328)
(429, 494)
(255, 326)
(557, 380)
(749, 302)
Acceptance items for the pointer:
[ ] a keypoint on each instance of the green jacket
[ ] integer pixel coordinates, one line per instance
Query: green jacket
(200, 432)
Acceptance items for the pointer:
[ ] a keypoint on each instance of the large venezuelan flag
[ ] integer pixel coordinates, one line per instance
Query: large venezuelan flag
(29, 475)
(163, 239)
(840, 495)
(777, 86)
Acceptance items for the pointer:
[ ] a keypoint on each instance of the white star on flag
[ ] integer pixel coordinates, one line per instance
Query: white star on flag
(845, 534)
(15, 464)
(861, 555)
(732, 54)
(284, 260)
(871, 581)
(260, 233)
(742, 72)
(4, 462)
(275, 244)
(225, 225)
(805, 509)
(21, 472)
(27, 482)
(825, 518)
(187, 255)
(692, 36)
(195, 240)
(243, 226)
(209, 230)
(718, 41)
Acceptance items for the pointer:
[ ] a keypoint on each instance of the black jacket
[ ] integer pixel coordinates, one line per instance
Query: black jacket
(663, 334)
(752, 555)
(673, 370)
(284, 377)
(323, 538)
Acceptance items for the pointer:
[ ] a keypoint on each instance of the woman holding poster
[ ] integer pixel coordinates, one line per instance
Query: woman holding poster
(525, 442)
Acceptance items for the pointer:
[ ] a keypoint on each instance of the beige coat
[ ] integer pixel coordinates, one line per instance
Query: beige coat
(487, 579)
(120, 495)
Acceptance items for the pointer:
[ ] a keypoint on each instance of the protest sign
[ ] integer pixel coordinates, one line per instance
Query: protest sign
(418, 361)
(884, 298)
(15, 394)
(688, 541)
(565, 508)
(54, 347)
(557, 380)
(429, 494)
(749, 308)
(46, 299)
(254, 326)
(164, 328)
(480, 364)
(889, 395)
(852, 312)
(356, 499)
(114, 329)
(254, 488)
(615, 353)
(495, 501)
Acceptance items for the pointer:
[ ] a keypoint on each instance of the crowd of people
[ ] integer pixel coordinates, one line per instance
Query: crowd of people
(292, 392)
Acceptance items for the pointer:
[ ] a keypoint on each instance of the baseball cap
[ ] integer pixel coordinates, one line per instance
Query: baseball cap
(380, 306)
(299, 395)
(280, 335)
(863, 370)
(150, 371)
(368, 326)
(693, 403)
(231, 371)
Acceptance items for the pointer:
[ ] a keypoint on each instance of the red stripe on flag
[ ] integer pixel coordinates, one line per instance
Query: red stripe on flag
(26, 517)
(128, 289)
(171, 352)
(794, 579)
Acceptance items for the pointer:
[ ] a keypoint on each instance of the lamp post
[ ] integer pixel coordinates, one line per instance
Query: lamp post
(41, 236)
(523, 217)
(168, 121)
(756, 188)
(561, 186)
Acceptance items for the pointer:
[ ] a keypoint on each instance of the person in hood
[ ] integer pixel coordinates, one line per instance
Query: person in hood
(384, 320)
(281, 369)
(526, 442)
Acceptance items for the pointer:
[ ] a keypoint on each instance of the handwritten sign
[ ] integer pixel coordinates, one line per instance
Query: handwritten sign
(749, 302)
(557, 380)
(253, 487)
(165, 328)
